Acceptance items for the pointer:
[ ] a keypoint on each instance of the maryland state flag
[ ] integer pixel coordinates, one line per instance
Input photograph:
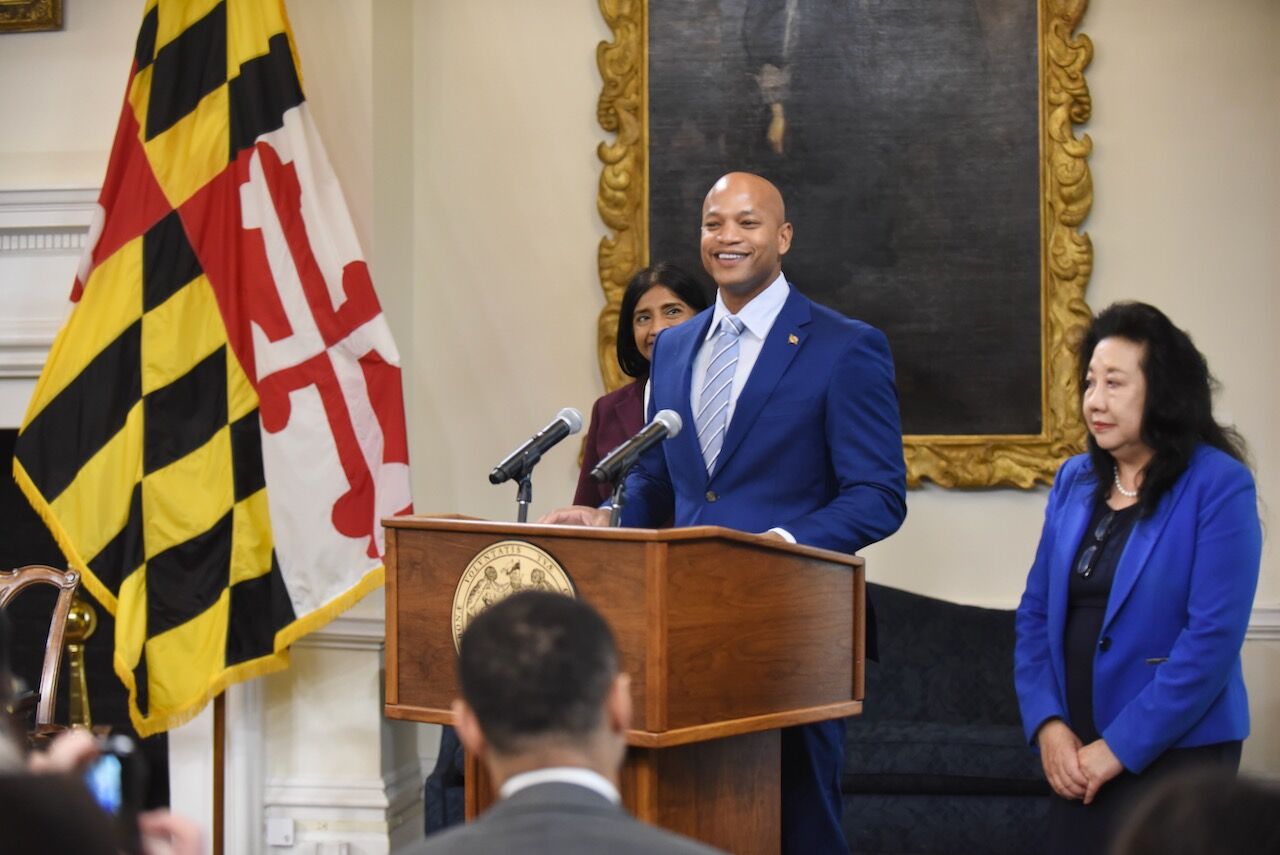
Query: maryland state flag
(219, 427)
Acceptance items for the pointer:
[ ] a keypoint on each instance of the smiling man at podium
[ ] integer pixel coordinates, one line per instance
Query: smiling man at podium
(797, 435)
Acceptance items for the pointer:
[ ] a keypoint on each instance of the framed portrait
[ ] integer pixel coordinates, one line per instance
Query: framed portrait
(23, 16)
(928, 156)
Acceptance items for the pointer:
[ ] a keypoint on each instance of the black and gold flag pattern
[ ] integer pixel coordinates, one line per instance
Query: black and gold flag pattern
(213, 345)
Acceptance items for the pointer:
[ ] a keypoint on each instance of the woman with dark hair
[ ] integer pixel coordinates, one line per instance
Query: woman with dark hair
(657, 297)
(1127, 662)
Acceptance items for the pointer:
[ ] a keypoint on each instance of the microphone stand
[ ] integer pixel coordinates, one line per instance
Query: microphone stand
(619, 499)
(524, 495)
(524, 490)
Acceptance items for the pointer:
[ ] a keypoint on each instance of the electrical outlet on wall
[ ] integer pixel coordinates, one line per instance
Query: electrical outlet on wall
(279, 831)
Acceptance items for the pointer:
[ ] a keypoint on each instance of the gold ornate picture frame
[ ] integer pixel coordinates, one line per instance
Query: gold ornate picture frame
(24, 16)
(1066, 254)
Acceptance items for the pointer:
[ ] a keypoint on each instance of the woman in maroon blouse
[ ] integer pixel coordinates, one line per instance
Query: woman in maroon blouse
(657, 297)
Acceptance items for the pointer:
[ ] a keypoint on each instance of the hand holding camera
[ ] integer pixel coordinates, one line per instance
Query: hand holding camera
(115, 774)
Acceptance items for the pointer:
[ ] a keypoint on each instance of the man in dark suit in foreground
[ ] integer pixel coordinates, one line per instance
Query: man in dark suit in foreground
(545, 709)
(791, 430)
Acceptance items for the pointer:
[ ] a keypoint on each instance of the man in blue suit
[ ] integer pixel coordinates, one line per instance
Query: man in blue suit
(791, 429)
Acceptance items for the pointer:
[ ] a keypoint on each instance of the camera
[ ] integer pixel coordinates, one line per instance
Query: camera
(117, 781)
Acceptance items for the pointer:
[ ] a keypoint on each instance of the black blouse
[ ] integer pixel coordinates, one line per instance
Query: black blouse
(1092, 573)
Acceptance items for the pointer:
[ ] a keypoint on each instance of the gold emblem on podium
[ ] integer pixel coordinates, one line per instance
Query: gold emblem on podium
(500, 570)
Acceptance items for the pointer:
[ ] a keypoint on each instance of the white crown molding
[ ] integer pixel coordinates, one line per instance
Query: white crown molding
(24, 345)
(36, 227)
(348, 632)
(46, 240)
(46, 222)
(47, 208)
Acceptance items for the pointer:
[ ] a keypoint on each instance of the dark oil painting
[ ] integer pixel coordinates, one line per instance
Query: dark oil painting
(904, 136)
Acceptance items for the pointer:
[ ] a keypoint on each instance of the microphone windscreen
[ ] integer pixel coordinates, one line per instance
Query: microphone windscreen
(670, 420)
(571, 417)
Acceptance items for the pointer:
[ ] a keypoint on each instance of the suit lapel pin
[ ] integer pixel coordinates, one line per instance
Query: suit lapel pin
(792, 339)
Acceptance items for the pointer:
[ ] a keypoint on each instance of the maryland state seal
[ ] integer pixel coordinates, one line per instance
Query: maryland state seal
(500, 570)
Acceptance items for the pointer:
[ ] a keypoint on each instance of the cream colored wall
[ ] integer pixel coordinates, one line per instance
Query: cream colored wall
(464, 135)
(62, 94)
(506, 290)
(1186, 176)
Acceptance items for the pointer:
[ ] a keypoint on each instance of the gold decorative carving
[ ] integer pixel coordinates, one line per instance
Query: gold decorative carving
(623, 202)
(24, 16)
(1066, 253)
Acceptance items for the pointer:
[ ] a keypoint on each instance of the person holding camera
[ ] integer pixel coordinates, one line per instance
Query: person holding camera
(45, 805)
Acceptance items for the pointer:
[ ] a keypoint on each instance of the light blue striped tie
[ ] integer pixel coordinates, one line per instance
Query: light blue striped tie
(713, 404)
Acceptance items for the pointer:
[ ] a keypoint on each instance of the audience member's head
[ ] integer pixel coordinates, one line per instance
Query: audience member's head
(1205, 811)
(657, 297)
(540, 687)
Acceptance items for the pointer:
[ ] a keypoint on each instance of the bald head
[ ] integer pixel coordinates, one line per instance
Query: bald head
(745, 233)
(763, 191)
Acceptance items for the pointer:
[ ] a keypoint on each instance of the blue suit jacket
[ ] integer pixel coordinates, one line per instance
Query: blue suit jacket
(1166, 672)
(814, 444)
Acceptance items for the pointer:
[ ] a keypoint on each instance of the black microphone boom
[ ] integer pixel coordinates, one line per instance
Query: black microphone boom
(521, 461)
(615, 464)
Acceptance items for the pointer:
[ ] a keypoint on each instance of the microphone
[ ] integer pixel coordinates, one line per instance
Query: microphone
(665, 425)
(519, 462)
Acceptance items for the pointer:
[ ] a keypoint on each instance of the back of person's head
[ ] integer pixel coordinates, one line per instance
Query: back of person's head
(1178, 410)
(535, 668)
(1204, 811)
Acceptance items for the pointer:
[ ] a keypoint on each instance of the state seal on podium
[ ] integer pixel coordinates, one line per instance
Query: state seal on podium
(500, 570)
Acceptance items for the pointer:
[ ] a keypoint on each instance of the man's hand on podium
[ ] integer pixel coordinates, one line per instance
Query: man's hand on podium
(577, 515)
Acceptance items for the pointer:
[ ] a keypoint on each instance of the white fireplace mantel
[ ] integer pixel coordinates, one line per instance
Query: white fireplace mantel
(42, 237)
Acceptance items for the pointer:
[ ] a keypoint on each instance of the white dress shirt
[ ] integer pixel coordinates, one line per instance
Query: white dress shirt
(758, 317)
(579, 775)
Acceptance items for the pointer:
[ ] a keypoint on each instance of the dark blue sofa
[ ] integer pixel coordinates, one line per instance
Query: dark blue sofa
(937, 762)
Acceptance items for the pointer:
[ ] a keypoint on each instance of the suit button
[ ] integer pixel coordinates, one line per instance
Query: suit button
(1105, 644)
(711, 496)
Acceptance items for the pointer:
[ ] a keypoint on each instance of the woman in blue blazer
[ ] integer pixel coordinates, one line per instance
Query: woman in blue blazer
(1127, 662)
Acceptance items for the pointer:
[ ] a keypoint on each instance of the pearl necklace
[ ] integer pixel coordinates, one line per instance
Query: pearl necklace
(1128, 494)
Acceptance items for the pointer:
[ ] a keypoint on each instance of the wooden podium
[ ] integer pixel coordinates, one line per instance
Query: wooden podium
(727, 637)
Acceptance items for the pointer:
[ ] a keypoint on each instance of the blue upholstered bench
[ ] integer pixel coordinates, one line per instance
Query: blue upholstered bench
(937, 762)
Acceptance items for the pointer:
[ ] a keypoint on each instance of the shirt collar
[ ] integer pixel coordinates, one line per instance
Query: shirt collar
(578, 775)
(759, 314)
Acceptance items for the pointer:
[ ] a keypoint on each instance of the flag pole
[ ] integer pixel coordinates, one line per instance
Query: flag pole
(219, 768)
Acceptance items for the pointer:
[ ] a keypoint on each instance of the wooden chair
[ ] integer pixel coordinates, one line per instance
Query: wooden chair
(66, 581)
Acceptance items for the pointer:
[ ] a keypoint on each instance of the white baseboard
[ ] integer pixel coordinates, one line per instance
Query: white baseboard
(370, 815)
